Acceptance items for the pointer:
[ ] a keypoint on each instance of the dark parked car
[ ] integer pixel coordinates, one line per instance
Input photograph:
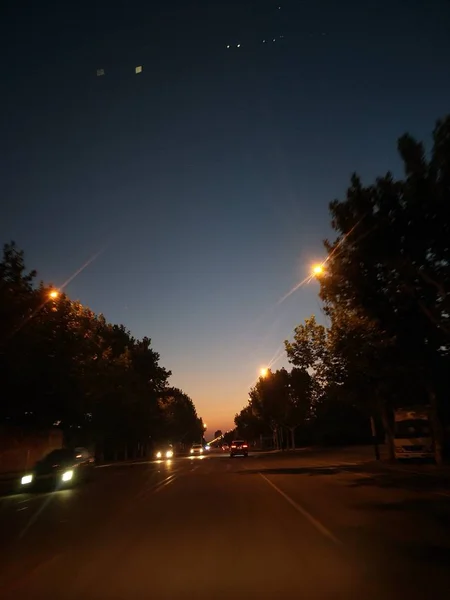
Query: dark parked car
(60, 468)
(238, 448)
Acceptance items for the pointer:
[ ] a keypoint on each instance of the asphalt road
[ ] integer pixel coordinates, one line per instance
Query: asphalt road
(314, 525)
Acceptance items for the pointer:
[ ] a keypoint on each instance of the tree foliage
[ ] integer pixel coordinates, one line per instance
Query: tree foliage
(386, 291)
(342, 392)
(388, 275)
(182, 424)
(280, 400)
(62, 364)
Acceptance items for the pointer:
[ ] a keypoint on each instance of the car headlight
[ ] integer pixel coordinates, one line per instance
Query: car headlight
(201, 450)
(67, 476)
(192, 450)
(158, 455)
(169, 454)
(26, 479)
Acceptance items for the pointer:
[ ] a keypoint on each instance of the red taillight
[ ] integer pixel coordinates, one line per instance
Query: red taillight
(233, 446)
(244, 446)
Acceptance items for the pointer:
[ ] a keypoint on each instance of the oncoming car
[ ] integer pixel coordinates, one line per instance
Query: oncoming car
(238, 448)
(60, 468)
(164, 452)
(197, 449)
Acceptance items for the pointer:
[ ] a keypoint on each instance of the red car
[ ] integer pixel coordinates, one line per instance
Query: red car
(238, 448)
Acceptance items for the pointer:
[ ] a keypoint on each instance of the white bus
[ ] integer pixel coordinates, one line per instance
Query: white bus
(412, 435)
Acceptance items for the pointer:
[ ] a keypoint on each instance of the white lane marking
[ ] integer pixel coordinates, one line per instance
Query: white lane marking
(13, 497)
(154, 487)
(317, 524)
(445, 494)
(165, 483)
(145, 493)
(37, 496)
(124, 464)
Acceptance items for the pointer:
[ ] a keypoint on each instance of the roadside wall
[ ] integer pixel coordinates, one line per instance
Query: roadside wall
(21, 448)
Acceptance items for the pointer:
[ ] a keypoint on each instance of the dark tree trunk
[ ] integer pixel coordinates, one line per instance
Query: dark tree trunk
(389, 431)
(376, 446)
(436, 426)
(292, 429)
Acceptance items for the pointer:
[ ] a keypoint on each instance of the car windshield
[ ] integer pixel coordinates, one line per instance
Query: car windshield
(412, 428)
(197, 446)
(59, 455)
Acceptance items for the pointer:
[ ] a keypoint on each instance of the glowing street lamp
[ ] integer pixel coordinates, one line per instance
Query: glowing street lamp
(203, 433)
(53, 294)
(317, 270)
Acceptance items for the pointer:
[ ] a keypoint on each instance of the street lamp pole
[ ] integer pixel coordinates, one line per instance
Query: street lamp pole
(203, 433)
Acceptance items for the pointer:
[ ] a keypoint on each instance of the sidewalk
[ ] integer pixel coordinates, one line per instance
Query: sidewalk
(430, 470)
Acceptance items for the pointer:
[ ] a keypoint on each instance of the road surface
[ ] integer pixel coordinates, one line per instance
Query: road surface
(313, 525)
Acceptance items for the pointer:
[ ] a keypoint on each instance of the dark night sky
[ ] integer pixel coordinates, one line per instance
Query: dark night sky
(206, 179)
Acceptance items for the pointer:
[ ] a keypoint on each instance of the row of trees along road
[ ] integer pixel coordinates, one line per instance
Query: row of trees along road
(385, 289)
(62, 365)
